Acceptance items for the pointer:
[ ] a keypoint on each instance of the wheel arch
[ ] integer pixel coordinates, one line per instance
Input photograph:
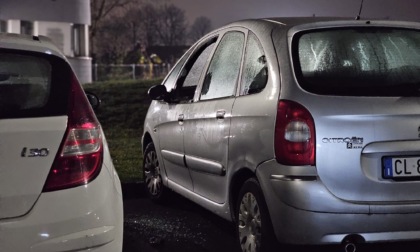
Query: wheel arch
(236, 183)
(147, 138)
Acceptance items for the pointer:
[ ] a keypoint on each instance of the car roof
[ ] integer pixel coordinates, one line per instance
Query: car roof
(294, 21)
(318, 22)
(39, 44)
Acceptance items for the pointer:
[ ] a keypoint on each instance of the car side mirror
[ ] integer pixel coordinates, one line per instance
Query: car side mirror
(158, 92)
(93, 100)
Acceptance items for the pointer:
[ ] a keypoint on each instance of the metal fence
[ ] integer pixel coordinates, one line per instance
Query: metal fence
(102, 72)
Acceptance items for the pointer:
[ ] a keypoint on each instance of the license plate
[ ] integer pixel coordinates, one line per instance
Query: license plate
(401, 167)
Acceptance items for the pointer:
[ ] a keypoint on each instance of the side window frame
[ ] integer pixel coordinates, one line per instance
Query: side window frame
(188, 62)
(175, 71)
(197, 97)
(240, 87)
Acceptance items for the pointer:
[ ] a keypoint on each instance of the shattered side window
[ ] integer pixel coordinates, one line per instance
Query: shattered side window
(191, 73)
(359, 61)
(170, 80)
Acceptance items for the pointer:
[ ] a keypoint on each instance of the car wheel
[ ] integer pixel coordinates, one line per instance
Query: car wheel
(254, 228)
(152, 174)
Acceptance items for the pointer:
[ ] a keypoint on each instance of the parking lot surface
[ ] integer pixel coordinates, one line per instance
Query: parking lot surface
(180, 225)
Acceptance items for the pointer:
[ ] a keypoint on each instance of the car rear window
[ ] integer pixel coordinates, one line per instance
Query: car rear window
(372, 61)
(32, 85)
(24, 81)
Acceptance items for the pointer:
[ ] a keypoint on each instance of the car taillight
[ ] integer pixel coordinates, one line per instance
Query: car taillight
(294, 134)
(79, 159)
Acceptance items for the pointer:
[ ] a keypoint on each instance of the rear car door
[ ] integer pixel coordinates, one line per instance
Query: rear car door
(33, 121)
(207, 123)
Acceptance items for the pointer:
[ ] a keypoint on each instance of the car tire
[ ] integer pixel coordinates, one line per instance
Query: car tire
(153, 182)
(253, 223)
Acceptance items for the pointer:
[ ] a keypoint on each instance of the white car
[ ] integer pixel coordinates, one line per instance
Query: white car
(59, 190)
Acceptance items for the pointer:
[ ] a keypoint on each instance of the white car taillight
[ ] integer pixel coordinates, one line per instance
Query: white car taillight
(79, 159)
(82, 141)
(294, 134)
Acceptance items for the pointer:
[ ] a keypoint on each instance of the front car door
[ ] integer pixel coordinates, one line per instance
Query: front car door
(171, 131)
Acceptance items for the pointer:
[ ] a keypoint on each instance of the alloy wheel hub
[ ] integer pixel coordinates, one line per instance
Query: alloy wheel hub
(152, 173)
(249, 223)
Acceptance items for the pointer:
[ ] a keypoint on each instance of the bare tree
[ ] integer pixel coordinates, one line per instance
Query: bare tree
(100, 10)
(149, 18)
(133, 19)
(200, 27)
(112, 45)
(172, 25)
(129, 29)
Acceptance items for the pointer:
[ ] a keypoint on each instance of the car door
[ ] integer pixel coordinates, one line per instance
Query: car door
(367, 141)
(207, 122)
(171, 129)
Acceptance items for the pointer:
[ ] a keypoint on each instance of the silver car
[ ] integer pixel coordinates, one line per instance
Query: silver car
(299, 130)
(59, 190)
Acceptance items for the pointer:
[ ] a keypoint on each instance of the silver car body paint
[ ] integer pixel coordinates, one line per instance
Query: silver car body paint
(344, 193)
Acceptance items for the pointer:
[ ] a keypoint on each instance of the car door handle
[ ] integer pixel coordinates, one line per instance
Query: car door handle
(180, 117)
(220, 114)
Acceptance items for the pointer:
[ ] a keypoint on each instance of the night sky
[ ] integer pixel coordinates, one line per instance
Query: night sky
(225, 11)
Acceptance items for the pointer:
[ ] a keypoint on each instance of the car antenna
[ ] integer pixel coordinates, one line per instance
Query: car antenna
(360, 10)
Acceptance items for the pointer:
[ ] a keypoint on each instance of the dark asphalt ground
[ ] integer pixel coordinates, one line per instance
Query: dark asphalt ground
(180, 225)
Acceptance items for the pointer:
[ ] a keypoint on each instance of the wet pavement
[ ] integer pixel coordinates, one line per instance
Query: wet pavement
(180, 225)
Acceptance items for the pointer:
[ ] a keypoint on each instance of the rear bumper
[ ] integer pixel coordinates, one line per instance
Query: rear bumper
(303, 211)
(83, 218)
(296, 226)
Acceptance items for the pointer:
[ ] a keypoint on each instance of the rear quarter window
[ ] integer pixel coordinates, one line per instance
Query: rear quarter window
(32, 85)
(372, 61)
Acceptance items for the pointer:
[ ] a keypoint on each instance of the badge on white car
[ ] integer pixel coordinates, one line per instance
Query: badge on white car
(34, 152)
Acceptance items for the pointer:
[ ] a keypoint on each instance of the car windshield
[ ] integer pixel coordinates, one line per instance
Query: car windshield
(359, 61)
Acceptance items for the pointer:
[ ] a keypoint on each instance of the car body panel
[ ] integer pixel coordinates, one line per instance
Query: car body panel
(385, 122)
(40, 44)
(85, 217)
(63, 226)
(18, 138)
(362, 121)
(252, 131)
(208, 123)
(173, 147)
